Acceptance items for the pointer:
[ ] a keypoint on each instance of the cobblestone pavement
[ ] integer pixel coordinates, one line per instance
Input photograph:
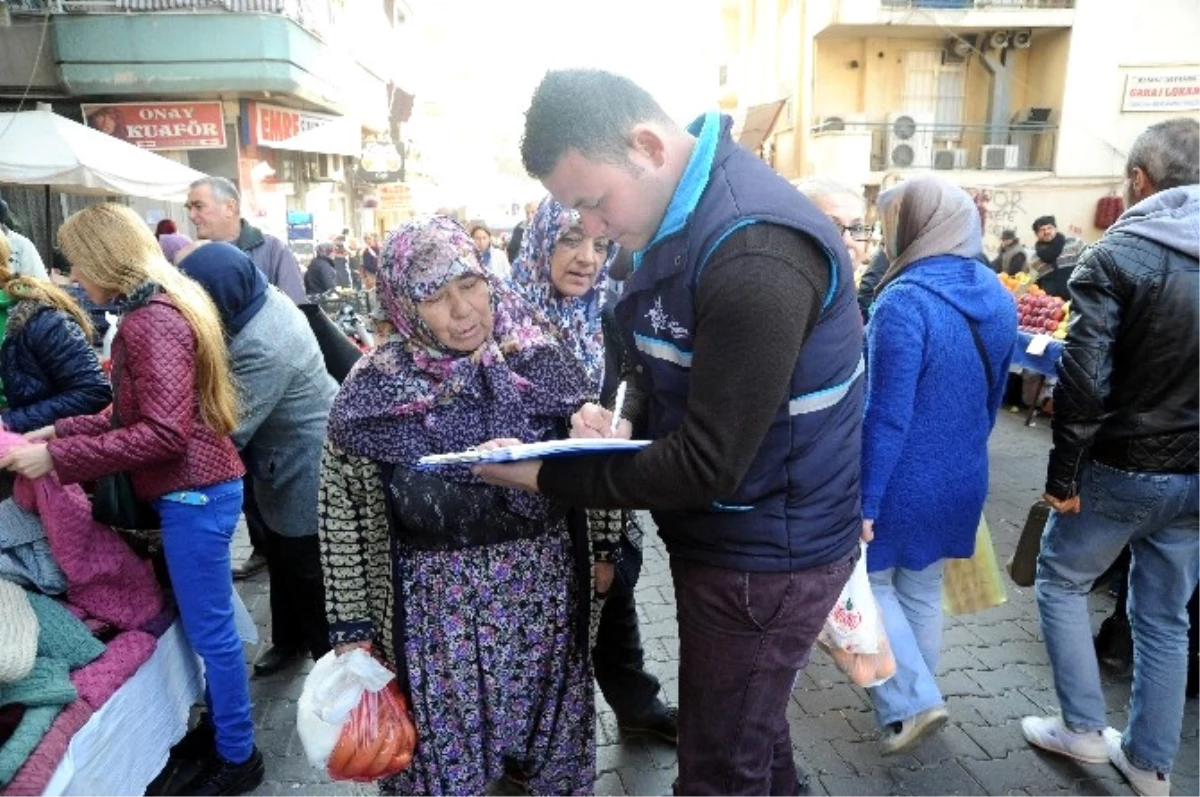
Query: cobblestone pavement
(994, 670)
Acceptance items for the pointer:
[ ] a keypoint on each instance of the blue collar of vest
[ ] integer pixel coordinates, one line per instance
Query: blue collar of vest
(707, 130)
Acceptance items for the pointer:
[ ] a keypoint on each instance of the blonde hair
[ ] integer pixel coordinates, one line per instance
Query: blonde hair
(114, 250)
(40, 291)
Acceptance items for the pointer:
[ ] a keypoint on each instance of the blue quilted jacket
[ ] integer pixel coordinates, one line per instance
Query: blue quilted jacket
(49, 369)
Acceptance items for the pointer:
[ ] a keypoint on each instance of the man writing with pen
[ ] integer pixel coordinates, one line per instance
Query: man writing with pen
(748, 377)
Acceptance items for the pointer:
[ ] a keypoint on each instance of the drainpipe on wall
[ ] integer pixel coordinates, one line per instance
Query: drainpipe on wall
(1000, 98)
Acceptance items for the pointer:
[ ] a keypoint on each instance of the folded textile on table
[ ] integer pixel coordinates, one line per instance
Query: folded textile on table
(63, 644)
(122, 656)
(18, 633)
(104, 576)
(25, 739)
(40, 765)
(25, 555)
(10, 718)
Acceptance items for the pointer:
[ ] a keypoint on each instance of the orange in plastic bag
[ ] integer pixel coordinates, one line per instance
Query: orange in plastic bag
(377, 740)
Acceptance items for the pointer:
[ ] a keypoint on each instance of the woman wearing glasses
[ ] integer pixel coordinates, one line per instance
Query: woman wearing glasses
(846, 208)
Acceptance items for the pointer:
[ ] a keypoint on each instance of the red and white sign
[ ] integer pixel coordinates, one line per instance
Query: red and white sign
(304, 131)
(160, 125)
(1162, 90)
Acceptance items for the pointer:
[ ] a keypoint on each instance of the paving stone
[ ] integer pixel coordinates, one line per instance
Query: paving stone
(637, 780)
(997, 741)
(1003, 679)
(1001, 708)
(999, 656)
(820, 759)
(807, 731)
(961, 682)
(864, 757)
(949, 744)
(946, 778)
(855, 786)
(1027, 769)
(840, 696)
(609, 785)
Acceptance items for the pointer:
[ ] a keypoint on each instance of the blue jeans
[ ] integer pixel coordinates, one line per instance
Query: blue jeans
(197, 526)
(911, 603)
(1156, 514)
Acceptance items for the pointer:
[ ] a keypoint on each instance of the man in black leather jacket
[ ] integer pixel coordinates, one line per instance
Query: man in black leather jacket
(1123, 470)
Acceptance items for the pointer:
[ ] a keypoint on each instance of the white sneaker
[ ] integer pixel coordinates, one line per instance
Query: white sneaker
(900, 736)
(1144, 781)
(1049, 733)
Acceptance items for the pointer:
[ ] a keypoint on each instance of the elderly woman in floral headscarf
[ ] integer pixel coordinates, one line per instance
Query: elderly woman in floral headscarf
(561, 271)
(471, 594)
(564, 272)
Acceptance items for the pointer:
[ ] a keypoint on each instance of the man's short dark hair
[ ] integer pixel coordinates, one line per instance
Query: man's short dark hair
(1169, 154)
(588, 110)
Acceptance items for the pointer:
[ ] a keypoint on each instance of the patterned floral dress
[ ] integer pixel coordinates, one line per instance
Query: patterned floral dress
(495, 669)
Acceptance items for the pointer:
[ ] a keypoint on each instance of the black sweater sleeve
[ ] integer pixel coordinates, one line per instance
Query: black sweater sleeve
(756, 303)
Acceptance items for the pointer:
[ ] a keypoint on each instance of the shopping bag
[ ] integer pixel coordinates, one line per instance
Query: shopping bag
(853, 632)
(353, 720)
(972, 585)
(1022, 567)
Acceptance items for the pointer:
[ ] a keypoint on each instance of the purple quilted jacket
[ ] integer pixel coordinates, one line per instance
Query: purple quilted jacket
(162, 443)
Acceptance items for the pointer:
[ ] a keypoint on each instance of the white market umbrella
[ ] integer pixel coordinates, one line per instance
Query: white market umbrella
(42, 148)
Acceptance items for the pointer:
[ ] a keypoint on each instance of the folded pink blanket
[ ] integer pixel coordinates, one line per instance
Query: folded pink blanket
(105, 578)
(97, 681)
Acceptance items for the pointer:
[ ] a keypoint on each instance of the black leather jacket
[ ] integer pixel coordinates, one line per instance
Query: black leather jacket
(1128, 382)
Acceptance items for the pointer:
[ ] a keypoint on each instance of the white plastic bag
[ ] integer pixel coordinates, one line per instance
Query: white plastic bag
(853, 625)
(331, 691)
(853, 633)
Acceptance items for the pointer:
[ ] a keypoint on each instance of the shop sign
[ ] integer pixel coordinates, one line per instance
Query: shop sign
(1163, 90)
(160, 125)
(394, 198)
(304, 131)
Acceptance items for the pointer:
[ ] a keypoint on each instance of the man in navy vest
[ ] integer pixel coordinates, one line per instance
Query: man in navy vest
(748, 377)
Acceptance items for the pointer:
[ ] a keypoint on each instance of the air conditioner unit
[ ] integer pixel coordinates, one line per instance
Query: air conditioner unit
(958, 48)
(948, 159)
(840, 122)
(999, 156)
(998, 39)
(1022, 39)
(909, 141)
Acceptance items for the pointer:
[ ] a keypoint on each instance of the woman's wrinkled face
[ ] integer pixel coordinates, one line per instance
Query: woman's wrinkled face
(575, 262)
(847, 213)
(482, 240)
(460, 313)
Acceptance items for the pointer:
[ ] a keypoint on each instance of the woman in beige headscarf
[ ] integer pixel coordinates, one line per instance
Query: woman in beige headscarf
(939, 342)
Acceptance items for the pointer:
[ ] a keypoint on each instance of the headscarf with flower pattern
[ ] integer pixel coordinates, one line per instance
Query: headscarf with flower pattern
(412, 396)
(576, 319)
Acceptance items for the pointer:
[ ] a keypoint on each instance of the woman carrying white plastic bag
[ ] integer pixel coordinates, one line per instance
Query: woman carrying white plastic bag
(939, 341)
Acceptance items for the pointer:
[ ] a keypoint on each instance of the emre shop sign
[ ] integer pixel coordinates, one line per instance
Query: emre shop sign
(1163, 91)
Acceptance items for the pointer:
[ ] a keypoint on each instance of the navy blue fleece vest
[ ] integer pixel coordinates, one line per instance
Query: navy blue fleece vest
(798, 505)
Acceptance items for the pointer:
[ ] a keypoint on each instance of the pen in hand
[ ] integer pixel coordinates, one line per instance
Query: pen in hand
(620, 403)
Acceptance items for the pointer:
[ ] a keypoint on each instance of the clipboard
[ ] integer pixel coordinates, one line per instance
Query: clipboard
(548, 449)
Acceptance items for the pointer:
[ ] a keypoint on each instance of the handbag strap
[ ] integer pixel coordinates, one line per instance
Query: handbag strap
(984, 360)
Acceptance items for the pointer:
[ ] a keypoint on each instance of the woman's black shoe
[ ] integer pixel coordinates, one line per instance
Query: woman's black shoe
(221, 777)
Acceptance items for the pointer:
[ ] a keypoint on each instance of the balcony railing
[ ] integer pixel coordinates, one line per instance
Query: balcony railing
(315, 15)
(967, 5)
(1011, 147)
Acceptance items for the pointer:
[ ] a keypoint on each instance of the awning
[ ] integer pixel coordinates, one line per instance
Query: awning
(759, 122)
(340, 136)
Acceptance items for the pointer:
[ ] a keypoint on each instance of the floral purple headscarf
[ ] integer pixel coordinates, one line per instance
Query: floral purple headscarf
(411, 396)
(575, 318)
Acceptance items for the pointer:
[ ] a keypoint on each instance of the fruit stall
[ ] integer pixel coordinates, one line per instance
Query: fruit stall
(1042, 322)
